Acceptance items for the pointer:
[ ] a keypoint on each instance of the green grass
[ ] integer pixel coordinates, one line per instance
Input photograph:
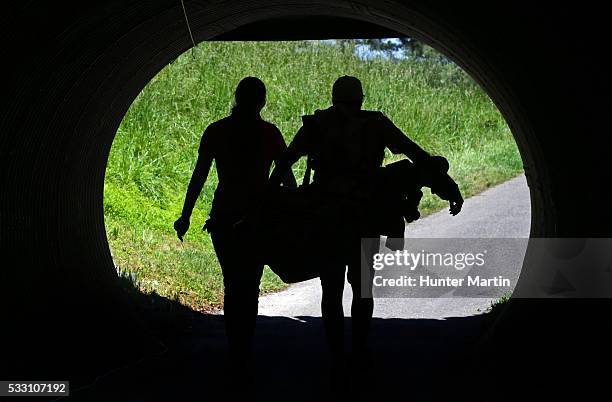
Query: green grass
(154, 151)
(498, 304)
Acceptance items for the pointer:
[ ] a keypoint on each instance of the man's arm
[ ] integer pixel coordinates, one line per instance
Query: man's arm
(198, 178)
(399, 143)
(287, 179)
(283, 164)
(285, 174)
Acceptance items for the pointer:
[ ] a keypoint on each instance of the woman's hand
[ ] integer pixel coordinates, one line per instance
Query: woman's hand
(181, 226)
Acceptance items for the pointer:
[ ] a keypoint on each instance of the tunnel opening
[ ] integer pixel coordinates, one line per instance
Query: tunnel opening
(427, 96)
(106, 75)
(296, 28)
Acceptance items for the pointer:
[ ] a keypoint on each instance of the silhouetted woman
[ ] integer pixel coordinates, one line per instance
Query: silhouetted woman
(243, 147)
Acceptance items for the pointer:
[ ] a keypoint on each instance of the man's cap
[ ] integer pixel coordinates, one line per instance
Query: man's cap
(347, 89)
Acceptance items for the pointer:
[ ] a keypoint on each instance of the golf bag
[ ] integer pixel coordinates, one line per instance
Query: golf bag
(300, 231)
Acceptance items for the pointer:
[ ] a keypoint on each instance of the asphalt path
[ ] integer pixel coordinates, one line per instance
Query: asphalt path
(503, 211)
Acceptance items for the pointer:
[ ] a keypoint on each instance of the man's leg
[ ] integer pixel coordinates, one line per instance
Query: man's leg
(360, 276)
(332, 284)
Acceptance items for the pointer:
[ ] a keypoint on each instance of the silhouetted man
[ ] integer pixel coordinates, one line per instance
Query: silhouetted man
(346, 147)
(243, 147)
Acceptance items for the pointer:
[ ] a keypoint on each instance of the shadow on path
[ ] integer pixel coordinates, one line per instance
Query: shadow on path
(415, 357)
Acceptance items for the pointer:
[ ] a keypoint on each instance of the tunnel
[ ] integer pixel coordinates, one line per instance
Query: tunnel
(75, 68)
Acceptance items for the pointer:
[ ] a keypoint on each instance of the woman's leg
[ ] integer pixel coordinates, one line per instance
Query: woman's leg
(241, 279)
(332, 284)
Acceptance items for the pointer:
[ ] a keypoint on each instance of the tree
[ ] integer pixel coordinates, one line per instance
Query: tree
(402, 47)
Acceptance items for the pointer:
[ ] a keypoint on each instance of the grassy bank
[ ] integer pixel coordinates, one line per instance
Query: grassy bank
(154, 152)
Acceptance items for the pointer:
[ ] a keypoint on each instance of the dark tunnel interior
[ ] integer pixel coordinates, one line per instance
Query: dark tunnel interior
(75, 69)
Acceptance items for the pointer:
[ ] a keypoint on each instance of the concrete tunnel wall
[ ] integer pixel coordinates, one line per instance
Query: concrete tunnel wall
(75, 68)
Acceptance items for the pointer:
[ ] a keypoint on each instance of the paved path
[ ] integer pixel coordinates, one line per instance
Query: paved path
(502, 211)
(421, 349)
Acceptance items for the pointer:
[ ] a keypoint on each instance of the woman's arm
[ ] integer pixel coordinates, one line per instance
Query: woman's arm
(286, 174)
(283, 164)
(196, 183)
(198, 178)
